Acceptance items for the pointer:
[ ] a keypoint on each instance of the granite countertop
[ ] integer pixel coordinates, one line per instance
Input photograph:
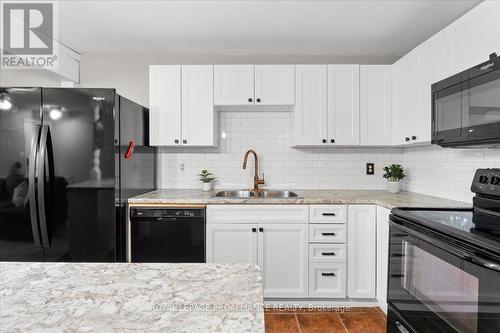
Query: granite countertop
(382, 198)
(121, 297)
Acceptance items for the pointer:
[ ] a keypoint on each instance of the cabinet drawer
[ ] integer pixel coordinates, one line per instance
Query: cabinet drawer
(327, 280)
(327, 253)
(257, 213)
(327, 233)
(328, 214)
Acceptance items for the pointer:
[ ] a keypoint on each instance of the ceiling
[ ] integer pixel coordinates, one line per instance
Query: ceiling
(356, 27)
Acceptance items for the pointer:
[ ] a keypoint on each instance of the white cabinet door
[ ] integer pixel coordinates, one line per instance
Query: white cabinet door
(343, 104)
(274, 84)
(310, 116)
(431, 65)
(405, 99)
(376, 105)
(382, 255)
(165, 105)
(198, 116)
(231, 243)
(471, 38)
(283, 253)
(361, 249)
(234, 84)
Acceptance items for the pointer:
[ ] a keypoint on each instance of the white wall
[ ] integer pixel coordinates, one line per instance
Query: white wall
(268, 133)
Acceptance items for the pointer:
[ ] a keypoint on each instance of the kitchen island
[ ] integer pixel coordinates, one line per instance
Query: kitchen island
(133, 297)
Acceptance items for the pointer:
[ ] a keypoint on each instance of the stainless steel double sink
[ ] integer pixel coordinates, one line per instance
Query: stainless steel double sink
(245, 194)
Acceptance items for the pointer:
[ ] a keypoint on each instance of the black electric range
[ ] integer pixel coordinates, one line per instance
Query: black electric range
(444, 264)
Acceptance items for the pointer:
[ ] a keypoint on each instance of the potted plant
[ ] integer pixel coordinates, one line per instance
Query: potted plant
(206, 179)
(394, 173)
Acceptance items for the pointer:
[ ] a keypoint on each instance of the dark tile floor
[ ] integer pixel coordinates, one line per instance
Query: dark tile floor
(359, 320)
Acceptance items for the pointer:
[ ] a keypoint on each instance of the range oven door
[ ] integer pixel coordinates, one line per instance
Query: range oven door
(466, 107)
(440, 286)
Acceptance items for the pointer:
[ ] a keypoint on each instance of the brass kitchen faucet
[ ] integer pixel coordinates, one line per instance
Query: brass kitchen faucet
(256, 180)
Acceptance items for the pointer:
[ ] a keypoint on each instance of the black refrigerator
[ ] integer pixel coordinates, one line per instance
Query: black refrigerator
(69, 160)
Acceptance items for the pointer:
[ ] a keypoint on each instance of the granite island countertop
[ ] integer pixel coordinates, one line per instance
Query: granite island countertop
(307, 197)
(130, 297)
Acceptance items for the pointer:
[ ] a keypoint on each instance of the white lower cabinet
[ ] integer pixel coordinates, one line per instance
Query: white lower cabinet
(361, 251)
(327, 253)
(231, 243)
(335, 257)
(382, 255)
(280, 248)
(327, 233)
(327, 280)
(282, 257)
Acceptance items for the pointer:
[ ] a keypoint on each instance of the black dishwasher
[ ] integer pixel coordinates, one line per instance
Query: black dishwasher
(168, 235)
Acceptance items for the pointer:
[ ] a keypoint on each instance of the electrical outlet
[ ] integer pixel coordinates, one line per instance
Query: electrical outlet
(370, 168)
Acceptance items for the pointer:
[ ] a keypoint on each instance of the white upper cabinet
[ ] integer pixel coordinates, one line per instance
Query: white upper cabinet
(311, 109)
(405, 99)
(431, 69)
(274, 84)
(165, 105)
(471, 38)
(198, 118)
(376, 105)
(181, 106)
(343, 104)
(234, 84)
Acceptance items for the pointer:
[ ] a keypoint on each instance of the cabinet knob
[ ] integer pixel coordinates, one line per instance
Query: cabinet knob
(250, 100)
(176, 141)
(184, 141)
(258, 100)
(324, 140)
(414, 137)
(407, 139)
(261, 229)
(332, 141)
(254, 229)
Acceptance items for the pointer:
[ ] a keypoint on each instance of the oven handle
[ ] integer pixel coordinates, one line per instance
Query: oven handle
(455, 250)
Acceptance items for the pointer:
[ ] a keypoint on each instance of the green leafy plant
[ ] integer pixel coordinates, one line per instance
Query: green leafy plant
(394, 172)
(206, 176)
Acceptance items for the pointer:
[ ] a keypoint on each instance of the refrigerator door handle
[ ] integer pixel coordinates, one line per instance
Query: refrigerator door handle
(40, 169)
(32, 186)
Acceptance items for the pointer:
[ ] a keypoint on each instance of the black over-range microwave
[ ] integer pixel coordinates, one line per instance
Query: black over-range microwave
(466, 107)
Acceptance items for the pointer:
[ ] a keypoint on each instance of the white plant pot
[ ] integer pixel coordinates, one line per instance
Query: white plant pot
(206, 187)
(393, 187)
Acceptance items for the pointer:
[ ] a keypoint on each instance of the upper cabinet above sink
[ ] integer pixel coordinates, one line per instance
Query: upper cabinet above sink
(254, 85)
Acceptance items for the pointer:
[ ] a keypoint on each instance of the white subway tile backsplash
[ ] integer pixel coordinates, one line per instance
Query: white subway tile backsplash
(268, 133)
(430, 170)
(444, 172)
